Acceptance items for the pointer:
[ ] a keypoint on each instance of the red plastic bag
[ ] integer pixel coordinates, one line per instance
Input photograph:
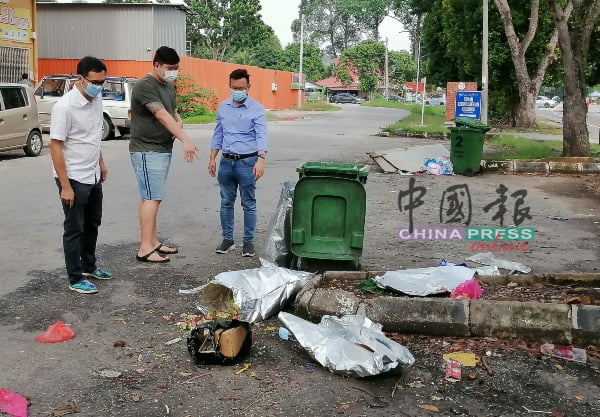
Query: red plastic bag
(58, 332)
(13, 404)
(468, 290)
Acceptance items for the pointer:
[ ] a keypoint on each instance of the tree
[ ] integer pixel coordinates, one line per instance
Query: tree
(312, 64)
(328, 26)
(401, 67)
(219, 27)
(528, 85)
(368, 60)
(574, 37)
(370, 13)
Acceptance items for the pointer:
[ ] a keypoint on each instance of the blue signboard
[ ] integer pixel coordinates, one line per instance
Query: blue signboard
(468, 104)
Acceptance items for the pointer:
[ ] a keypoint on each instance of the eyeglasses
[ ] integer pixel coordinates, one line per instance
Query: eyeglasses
(95, 82)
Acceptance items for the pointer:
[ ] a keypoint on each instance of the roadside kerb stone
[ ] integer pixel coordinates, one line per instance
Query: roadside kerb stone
(531, 166)
(514, 319)
(558, 323)
(564, 167)
(420, 315)
(586, 324)
(543, 166)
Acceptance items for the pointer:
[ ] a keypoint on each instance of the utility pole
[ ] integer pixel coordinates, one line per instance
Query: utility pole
(387, 75)
(484, 66)
(300, 79)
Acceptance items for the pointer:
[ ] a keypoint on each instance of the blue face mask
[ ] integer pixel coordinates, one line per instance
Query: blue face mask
(93, 90)
(239, 96)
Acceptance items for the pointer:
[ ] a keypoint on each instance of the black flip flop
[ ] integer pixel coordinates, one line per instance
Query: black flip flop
(174, 250)
(145, 259)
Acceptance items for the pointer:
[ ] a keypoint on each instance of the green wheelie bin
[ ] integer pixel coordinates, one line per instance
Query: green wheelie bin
(328, 212)
(466, 145)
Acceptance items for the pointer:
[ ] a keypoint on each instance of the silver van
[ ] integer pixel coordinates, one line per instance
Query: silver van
(19, 123)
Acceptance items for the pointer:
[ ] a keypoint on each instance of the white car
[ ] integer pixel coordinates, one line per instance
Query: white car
(436, 100)
(543, 101)
(19, 123)
(116, 100)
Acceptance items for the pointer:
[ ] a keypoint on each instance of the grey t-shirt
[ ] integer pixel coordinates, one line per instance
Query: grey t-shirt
(147, 133)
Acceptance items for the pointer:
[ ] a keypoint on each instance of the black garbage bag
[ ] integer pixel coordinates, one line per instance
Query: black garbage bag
(220, 342)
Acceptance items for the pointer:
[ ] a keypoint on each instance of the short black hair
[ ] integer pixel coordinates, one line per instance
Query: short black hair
(24, 76)
(166, 55)
(238, 74)
(90, 64)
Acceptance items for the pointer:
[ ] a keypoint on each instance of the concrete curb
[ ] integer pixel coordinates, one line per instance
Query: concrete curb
(543, 166)
(556, 323)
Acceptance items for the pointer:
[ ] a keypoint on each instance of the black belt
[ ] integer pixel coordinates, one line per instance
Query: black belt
(236, 156)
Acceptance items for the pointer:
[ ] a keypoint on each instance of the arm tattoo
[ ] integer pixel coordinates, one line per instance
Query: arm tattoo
(155, 107)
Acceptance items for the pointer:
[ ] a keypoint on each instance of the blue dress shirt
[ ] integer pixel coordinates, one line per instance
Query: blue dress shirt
(240, 129)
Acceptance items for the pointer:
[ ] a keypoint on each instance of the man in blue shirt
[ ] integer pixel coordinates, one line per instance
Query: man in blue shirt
(241, 136)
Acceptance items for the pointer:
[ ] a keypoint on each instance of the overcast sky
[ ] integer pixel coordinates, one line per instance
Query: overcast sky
(279, 14)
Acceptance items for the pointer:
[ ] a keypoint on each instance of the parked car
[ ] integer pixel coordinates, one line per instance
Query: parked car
(345, 98)
(543, 101)
(19, 122)
(392, 97)
(116, 99)
(436, 100)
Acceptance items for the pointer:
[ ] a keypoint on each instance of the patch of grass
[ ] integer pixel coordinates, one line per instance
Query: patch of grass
(201, 119)
(318, 106)
(514, 147)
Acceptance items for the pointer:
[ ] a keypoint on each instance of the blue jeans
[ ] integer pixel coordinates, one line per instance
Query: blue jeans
(231, 176)
(81, 229)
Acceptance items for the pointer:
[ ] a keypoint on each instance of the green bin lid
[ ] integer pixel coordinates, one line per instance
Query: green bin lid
(472, 123)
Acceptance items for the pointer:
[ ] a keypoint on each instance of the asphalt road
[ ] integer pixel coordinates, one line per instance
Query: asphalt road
(32, 216)
(556, 115)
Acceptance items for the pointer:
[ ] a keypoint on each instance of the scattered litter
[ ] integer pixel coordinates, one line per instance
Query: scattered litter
(534, 411)
(243, 369)
(429, 407)
(64, 410)
(351, 345)
(270, 328)
(173, 341)
(425, 281)
(258, 293)
(120, 343)
(465, 358)
(368, 285)
(453, 371)
(58, 332)
(192, 379)
(13, 404)
(487, 258)
(167, 407)
(562, 219)
(468, 290)
(438, 166)
(407, 159)
(310, 368)
(284, 334)
(568, 353)
(106, 373)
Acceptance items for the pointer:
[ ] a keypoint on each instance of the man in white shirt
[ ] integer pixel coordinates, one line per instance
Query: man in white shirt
(79, 170)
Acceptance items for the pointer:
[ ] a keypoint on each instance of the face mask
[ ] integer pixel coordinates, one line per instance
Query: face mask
(93, 90)
(170, 76)
(239, 96)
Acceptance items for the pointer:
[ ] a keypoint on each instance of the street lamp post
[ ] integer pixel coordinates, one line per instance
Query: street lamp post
(484, 66)
(418, 68)
(387, 74)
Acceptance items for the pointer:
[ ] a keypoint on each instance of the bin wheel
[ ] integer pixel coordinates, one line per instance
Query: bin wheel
(356, 264)
(469, 172)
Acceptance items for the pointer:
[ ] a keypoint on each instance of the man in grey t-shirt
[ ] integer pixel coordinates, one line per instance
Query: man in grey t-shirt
(155, 124)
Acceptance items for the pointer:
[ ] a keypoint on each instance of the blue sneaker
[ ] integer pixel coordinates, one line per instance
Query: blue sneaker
(99, 274)
(83, 287)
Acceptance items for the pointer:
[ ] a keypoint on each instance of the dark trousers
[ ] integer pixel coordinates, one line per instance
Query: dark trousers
(81, 229)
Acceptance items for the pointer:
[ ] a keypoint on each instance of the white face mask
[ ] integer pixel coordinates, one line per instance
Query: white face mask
(170, 75)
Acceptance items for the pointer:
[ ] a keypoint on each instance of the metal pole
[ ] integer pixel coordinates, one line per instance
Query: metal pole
(387, 75)
(484, 66)
(418, 64)
(300, 79)
(423, 100)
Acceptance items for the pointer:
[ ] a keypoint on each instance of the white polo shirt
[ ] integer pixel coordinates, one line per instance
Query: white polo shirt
(78, 123)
